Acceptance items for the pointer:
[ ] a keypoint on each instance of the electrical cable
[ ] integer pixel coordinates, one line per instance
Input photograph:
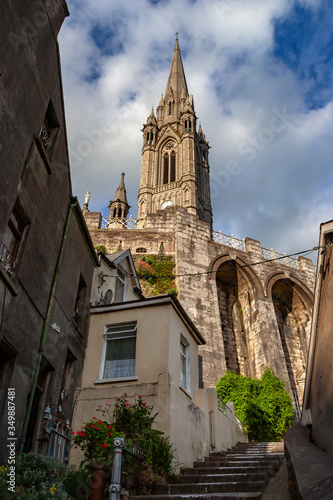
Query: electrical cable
(305, 252)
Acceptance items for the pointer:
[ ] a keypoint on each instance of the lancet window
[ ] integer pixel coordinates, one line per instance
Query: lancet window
(169, 168)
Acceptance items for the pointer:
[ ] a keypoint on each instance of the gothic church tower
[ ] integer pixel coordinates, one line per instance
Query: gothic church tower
(175, 168)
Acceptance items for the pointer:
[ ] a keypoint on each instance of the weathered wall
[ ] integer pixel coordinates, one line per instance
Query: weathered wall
(318, 392)
(37, 180)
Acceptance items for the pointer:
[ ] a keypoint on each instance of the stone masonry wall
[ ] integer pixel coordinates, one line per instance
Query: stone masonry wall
(236, 317)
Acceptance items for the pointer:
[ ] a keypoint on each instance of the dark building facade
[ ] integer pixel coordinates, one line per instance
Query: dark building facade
(46, 254)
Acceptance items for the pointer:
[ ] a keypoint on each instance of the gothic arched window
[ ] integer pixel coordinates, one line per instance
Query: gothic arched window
(169, 168)
(166, 168)
(173, 167)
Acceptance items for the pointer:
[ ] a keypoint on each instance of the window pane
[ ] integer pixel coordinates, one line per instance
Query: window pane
(131, 327)
(120, 358)
(183, 363)
(120, 349)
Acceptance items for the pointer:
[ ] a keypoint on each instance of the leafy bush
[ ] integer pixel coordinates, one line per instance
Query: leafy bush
(134, 420)
(77, 483)
(95, 440)
(263, 406)
(37, 478)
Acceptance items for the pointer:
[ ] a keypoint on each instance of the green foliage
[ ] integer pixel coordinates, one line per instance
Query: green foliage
(134, 421)
(156, 274)
(37, 478)
(101, 248)
(77, 483)
(263, 406)
(95, 440)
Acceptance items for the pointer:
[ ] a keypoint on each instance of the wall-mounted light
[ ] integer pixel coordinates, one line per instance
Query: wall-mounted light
(47, 413)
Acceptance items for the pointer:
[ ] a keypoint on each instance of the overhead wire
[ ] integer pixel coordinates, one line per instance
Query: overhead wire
(303, 252)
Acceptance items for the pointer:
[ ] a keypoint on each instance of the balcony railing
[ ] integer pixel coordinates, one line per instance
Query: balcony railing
(282, 258)
(45, 138)
(55, 441)
(6, 259)
(228, 241)
(218, 237)
(123, 223)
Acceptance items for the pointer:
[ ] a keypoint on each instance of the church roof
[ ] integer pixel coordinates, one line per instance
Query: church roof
(121, 191)
(176, 80)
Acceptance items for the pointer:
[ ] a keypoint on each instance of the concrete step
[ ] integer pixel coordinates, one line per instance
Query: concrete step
(239, 495)
(198, 496)
(228, 470)
(244, 456)
(240, 473)
(222, 478)
(220, 487)
(239, 463)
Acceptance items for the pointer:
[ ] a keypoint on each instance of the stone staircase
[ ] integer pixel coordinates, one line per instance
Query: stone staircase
(241, 473)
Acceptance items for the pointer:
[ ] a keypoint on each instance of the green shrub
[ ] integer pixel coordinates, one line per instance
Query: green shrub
(37, 478)
(77, 483)
(134, 421)
(263, 406)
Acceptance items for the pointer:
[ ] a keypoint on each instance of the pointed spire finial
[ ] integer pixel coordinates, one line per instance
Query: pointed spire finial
(177, 35)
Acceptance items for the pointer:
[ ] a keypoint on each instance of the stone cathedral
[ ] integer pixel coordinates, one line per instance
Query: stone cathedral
(254, 312)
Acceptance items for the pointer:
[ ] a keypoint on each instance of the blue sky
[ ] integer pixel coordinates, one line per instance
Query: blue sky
(261, 76)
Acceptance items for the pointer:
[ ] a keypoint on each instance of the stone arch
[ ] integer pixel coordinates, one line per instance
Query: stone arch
(248, 272)
(238, 290)
(292, 302)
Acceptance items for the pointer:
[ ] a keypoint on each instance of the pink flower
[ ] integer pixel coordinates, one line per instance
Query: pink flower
(144, 402)
(99, 406)
(108, 403)
(126, 403)
(140, 395)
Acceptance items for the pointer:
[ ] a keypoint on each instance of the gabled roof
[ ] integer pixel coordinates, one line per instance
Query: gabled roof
(116, 258)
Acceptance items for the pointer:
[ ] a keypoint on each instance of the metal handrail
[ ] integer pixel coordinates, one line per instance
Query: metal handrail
(120, 445)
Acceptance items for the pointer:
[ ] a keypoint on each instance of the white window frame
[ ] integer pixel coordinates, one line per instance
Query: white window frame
(110, 336)
(185, 357)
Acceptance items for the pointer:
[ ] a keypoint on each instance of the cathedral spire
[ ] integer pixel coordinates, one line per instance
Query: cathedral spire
(118, 206)
(176, 80)
(121, 191)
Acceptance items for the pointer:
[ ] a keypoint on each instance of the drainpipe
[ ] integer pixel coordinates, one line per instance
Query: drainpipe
(46, 325)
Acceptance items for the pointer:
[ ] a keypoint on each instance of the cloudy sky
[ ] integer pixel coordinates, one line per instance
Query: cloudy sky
(261, 74)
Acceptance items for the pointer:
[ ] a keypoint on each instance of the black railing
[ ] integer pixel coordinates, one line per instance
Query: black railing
(6, 259)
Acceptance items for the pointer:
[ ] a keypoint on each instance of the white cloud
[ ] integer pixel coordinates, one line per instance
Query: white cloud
(237, 85)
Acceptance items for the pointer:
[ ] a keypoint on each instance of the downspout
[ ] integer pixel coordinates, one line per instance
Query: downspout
(46, 325)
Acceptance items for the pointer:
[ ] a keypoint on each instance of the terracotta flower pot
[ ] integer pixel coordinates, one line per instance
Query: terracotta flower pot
(98, 475)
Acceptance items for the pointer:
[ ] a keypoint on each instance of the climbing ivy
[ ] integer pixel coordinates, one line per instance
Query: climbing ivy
(263, 406)
(156, 274)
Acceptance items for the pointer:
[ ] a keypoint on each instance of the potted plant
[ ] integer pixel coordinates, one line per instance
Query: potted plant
(96, 442)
